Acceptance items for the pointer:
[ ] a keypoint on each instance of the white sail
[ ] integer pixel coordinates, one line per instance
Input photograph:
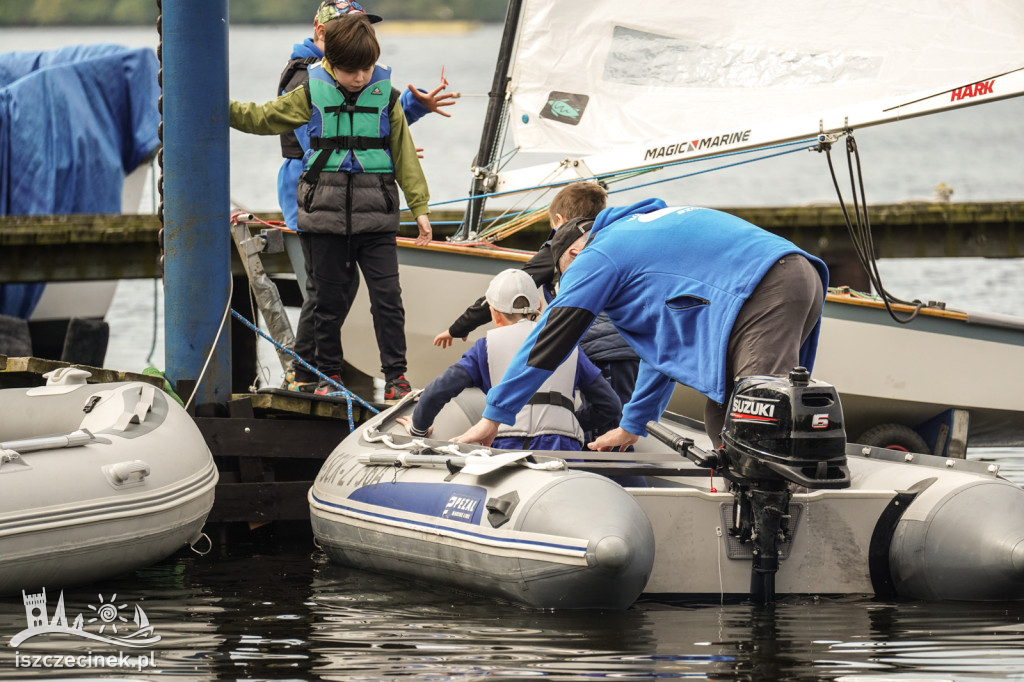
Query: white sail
(627, 85)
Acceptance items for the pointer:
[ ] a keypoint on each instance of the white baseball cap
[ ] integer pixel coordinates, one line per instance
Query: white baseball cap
(509, 285)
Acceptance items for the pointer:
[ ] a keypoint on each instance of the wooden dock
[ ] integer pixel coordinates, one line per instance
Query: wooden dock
(268, 449)
(88, 247)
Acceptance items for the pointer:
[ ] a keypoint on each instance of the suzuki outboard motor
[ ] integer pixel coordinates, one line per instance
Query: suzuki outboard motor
(786, 429)
(778, 431)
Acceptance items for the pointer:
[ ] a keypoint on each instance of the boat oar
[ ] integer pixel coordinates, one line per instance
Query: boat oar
(73, 439)
(474, 465)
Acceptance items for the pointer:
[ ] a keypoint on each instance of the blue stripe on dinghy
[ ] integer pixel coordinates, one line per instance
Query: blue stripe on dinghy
(449, 529)
(444, 500)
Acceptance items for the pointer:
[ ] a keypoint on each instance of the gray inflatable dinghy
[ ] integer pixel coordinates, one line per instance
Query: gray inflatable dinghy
(96, 480)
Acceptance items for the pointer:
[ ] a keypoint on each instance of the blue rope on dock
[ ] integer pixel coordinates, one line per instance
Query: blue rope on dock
(348, 395)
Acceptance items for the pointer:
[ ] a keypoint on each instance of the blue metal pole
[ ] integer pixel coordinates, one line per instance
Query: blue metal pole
(196, 203)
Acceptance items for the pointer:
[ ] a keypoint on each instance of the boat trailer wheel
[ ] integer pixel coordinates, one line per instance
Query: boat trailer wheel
(894, 437)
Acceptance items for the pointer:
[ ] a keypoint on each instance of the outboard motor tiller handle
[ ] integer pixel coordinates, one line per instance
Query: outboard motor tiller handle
(684, 446)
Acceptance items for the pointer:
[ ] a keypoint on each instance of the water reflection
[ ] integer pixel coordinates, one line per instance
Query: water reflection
(280, 610)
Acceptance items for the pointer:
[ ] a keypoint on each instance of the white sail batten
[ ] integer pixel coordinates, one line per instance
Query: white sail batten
(670, 81)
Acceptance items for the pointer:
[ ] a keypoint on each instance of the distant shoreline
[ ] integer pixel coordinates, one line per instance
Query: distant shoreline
(426, 27)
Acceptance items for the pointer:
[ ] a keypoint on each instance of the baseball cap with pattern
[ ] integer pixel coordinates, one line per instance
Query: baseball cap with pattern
(329, 9)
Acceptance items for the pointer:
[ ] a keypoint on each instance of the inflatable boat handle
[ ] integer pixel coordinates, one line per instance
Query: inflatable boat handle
(71, 440)
(684, 446)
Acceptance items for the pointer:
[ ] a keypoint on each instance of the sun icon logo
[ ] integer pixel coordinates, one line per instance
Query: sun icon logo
(108, 614)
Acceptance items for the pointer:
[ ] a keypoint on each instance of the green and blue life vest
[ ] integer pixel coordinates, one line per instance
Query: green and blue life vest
(353, 136)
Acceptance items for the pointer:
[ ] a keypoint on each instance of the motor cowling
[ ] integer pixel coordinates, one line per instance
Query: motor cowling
(786, 427)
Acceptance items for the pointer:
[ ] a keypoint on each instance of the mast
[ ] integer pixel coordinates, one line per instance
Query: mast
(483, 176)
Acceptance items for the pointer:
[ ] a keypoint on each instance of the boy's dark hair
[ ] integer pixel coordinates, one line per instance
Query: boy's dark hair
(584, 199)
(350, 43)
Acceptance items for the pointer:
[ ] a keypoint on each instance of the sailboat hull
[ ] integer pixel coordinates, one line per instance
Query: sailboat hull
(885, 372)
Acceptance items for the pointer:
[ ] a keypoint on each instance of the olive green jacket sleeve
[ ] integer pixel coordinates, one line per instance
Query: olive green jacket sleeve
(292, 109)
(281, 115)
(408, 172)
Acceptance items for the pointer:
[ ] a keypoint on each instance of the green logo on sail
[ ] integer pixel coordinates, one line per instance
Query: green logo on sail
(565, 107)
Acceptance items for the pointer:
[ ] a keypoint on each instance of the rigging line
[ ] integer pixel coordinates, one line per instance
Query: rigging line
(302, 362)
(861, 238)
(156, 301)
(213, 346)
(527, 215)
(612, 177)
(512, 227)
(853, 154)
(706, 170)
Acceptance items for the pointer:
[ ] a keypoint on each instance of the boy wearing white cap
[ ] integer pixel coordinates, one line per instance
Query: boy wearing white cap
(548, 421)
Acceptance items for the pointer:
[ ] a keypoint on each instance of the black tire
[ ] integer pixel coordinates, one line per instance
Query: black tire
(894, 437)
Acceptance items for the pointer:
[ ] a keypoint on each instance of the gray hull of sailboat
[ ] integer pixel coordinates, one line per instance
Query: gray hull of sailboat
(885, 372)
(136, 491)
(910, 526)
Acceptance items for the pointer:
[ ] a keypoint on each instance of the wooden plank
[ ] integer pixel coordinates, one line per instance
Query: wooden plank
(260, 502)
(851, 299)
(266, 438)
(303, 404)
(40, 366)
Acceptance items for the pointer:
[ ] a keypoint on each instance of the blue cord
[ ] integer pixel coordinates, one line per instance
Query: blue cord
(348, 395)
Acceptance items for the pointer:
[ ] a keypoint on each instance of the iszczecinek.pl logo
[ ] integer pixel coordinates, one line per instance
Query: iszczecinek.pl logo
(109, 619)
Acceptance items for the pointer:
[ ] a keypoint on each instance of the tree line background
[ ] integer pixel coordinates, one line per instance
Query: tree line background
(132, 12)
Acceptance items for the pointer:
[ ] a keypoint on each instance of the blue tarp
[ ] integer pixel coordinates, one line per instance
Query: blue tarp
(73, 123)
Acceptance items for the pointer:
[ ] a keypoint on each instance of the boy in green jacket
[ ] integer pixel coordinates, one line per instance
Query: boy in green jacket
(348, 201)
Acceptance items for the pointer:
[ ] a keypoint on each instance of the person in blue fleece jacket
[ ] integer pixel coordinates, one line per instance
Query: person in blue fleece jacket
(702, 296)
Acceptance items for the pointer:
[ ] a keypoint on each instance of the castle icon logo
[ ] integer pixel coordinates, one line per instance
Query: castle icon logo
(109, 619)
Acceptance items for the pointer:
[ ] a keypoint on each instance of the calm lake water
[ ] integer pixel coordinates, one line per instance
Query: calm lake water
(267, 604)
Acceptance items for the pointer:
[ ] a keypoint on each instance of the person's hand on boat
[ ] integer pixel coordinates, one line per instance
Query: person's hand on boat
(483, 432)
(425, 235)
(616, 439)
(433, 101)
(444, 339)
(406, 422)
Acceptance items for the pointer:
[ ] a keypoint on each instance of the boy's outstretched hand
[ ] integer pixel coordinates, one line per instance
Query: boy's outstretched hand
(445, 339)
(406, 422)
(432, 101)
(482, 432)
(425, 234)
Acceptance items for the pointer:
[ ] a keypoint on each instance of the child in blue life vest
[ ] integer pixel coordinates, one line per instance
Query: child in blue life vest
(548, 421)
(360, 153)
